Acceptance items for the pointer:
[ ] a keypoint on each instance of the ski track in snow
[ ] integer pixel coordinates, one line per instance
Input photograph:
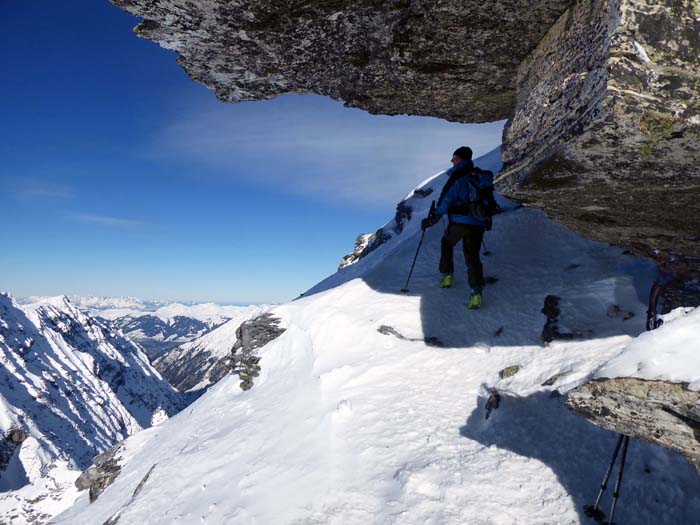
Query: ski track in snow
(346, 425)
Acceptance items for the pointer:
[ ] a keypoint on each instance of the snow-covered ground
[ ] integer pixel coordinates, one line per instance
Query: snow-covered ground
(370, 406)
(70, 388)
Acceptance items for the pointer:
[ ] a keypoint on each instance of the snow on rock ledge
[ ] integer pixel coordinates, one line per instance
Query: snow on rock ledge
(651, 390)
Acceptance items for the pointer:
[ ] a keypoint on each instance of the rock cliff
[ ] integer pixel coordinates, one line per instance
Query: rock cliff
(602, 94)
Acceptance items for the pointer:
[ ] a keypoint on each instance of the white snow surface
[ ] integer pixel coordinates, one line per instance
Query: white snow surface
(670, 353)
(346, 425)
(76, 388)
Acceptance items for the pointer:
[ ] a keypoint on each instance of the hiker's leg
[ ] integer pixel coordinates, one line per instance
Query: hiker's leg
(472, 248)
(449, 239)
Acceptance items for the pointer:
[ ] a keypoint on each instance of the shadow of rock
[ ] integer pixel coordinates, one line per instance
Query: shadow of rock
(659, 486)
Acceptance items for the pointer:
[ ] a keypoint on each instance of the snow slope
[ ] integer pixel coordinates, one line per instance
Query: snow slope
(356, 419)
(187, 367)
(74, 388)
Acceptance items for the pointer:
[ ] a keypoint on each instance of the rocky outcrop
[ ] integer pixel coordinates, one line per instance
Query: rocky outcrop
(606, 132)
(9, 444)
(105, 469)
(453, 59)
(667, 414)
(602, 94)
(244, 359)
(367, 243)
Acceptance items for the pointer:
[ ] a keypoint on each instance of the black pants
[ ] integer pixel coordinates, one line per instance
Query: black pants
(471, 237)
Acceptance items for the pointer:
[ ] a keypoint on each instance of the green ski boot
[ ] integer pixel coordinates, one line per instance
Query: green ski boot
(474, 301)
(446, 281)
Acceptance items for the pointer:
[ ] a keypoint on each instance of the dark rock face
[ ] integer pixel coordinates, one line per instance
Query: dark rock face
(453, 59)
(667, 414)
(602, 94)
(9, 444)
(550, 331)
(244, 361)
(606, 132)
(102, 474)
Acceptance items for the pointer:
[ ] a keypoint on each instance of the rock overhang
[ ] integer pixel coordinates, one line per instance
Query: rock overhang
(602, 94)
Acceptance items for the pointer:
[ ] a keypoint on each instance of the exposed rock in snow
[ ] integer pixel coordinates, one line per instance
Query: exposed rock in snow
(70, 388)
(244, 359)
(193, 365)
(602, 93)
(651, 389)
(667, 414)
(101, 474)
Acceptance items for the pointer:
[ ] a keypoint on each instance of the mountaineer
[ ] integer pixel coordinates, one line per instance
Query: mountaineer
(467, 199)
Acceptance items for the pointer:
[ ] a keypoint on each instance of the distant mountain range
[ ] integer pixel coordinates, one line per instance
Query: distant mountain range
(158, 326)
(71, 387)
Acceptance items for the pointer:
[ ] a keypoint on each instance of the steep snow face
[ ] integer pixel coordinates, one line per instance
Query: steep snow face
(73, 388)
(370, 407)
(188, 367)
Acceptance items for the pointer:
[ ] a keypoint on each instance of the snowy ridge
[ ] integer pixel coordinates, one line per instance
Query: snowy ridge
(74, 388)
(347, 424)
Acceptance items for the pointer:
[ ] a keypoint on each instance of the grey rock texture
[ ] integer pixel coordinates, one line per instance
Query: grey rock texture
(244, 359)
(101, 474)
(606, 132)
(509, 371)
(667, 414)
(602, 94)
(367, 243)
(450, 59)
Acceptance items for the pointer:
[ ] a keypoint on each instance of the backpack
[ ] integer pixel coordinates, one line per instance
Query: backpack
(482, 205)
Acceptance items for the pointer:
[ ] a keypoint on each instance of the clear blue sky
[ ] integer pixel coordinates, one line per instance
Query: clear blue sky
(120, 176)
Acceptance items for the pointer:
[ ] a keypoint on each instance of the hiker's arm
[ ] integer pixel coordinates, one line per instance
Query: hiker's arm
(447, 200)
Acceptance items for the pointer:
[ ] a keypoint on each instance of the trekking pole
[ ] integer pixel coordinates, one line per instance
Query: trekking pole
(486, 252)
(616, 491)
(592, 511)
(415, 257)
(405, 288)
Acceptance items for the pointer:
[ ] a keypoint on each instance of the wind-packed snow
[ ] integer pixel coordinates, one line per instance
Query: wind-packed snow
(75, 388)
(671, 352)
(370, 406)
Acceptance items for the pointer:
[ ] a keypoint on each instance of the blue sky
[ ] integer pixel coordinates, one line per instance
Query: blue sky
(120, 176)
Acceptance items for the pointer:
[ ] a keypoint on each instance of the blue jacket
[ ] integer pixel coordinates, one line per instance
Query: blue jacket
(462, 192)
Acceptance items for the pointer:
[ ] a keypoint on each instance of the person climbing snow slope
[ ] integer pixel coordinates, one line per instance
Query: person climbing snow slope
(462, 200)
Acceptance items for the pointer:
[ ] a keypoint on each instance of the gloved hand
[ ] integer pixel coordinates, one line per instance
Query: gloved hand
(429, 221)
